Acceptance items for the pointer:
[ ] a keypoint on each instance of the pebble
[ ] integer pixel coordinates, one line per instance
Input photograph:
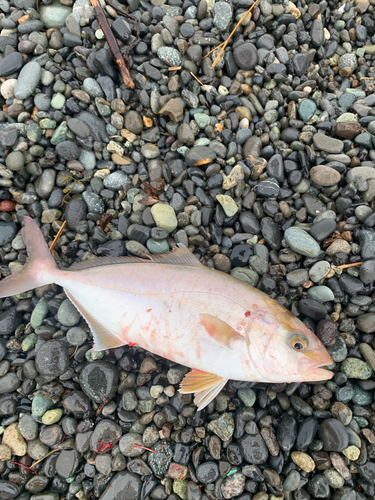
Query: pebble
(27, 81)
(301, 242)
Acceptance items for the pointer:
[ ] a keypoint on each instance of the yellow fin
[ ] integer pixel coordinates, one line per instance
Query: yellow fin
(219, 330)
(103, 338)
(205, 387)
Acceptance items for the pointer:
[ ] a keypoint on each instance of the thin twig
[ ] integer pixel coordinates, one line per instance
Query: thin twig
(75, 350)
(233, 32)
(48, 454)
(53, 244)
(174, 68)
(144, 448)
(112, 43)
(355, 264)
(203, 85)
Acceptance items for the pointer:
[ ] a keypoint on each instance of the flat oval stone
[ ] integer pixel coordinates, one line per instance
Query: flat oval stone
(333, 434)
(11, 64)
(27, 80)
(348, 130)
(328, 144)
(246, 56)
(52, 359)
(322, 229)
(301, 242)
(99, 381)
(325, 176)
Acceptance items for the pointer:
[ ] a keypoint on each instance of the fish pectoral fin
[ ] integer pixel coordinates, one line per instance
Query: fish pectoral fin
(103, 338)
(205, 387)
(220, 331)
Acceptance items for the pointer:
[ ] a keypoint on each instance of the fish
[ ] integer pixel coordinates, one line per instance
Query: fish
(174, 307)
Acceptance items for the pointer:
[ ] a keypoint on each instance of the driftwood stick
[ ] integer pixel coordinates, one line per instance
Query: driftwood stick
(113, 45)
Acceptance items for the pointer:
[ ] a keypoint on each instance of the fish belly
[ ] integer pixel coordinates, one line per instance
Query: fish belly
(167, 324)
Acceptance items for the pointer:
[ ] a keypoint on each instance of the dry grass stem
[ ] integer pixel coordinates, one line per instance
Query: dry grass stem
(53, 244)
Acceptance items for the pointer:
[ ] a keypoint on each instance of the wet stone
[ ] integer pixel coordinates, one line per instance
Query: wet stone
(207, 472)
(246, 56)
(160, 461)
(99, 381)
(115, 490)
(254, 449)
(333, 434)
(52, 359)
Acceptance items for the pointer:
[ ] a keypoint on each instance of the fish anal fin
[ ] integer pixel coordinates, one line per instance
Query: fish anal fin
(103, 338)
(205, 387)
(179, 255)
(224, 334)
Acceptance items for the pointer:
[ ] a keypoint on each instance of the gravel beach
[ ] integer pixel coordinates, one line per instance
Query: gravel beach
(259, 156)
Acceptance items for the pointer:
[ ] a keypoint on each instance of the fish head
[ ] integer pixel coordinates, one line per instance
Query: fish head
(283, 349)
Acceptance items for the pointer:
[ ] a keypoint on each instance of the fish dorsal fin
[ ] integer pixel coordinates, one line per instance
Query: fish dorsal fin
(224, 334)
(179, 256)
(103, 338)
(205, 387)
(107, 261)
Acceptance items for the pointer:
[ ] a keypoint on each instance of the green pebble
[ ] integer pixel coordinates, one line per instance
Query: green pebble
(40, 405)
(47, 123)
(180, 488)
(356, 92)
(40, 312)
(92, 355)
(67, 314)
(246, 275)
(157, 247)
(346, 100)
(58, 101)
(364, 140)
(306, 109)
(137, 428)
(146, 405)
(202, 120)
(36, 150)
(247, 396)
(52, 416)
(34, 132)
(339, 25)
(104, 109)
(131, 194)
(344, 394)
(60, 134)
(320, 293)
(194, 111)
(202, 141)
(362, 397)
(361, 421)
(356, 368)
(29, 342)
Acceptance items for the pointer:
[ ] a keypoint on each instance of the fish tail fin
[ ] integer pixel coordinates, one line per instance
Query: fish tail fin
(40, 266)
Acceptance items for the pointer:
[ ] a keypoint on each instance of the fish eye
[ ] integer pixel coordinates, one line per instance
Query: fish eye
(299, 342)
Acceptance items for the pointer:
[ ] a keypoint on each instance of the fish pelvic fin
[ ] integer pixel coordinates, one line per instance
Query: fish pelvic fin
(103, 337)
(40, 267)
(205, 387)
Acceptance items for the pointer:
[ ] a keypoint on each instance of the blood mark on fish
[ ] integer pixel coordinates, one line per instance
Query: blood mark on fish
(255, 306)
(131, 344)
(247, 314)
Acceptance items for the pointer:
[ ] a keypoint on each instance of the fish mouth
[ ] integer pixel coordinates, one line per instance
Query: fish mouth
(318, 374)
(312, 371)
